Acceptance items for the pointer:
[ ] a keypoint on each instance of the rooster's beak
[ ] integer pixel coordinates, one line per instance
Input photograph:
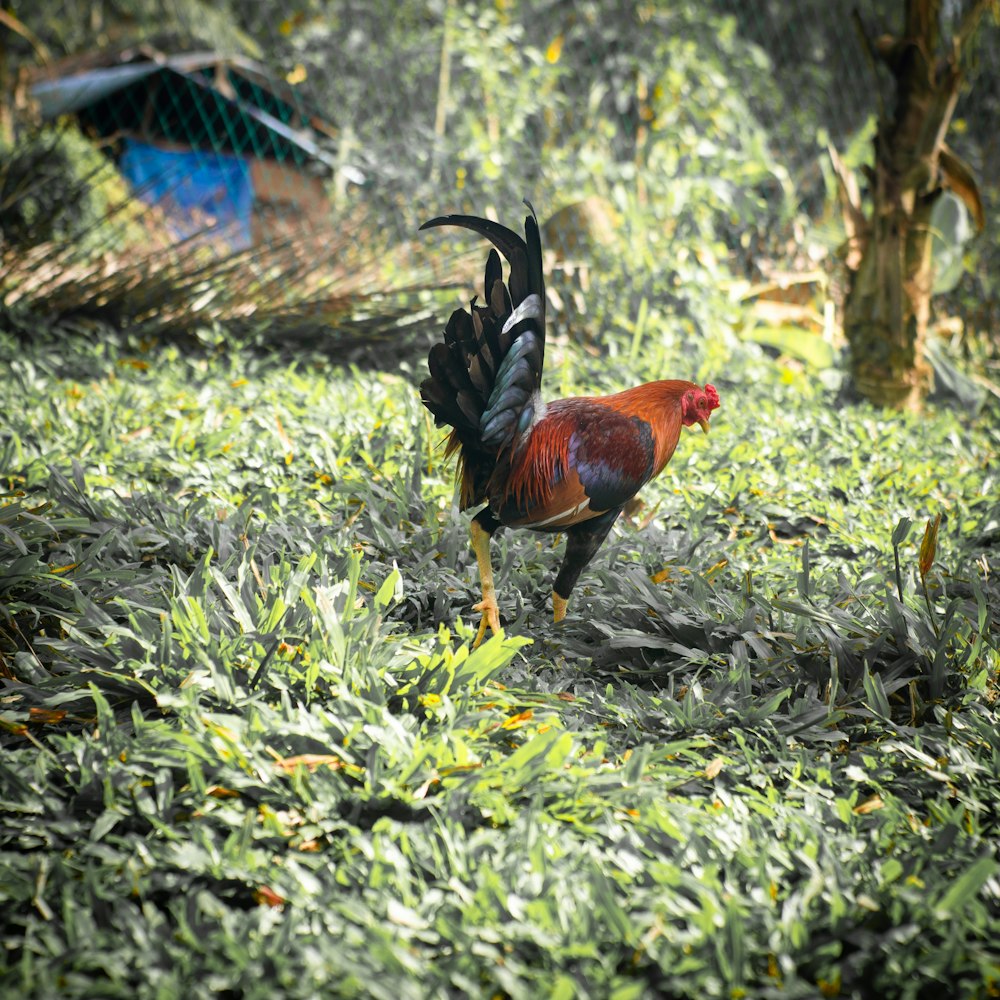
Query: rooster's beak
(703, 424)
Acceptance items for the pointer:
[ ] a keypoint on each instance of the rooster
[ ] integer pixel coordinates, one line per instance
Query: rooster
(569, 465)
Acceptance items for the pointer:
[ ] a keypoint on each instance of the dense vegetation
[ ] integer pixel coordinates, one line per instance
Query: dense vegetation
(245, 748)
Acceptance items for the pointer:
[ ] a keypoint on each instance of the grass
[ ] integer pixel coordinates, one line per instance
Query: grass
(247, 751)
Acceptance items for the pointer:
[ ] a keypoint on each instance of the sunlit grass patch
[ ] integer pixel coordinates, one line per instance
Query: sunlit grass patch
(247, 747)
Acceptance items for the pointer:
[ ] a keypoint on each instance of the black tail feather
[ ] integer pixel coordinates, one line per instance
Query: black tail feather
(466, 367)
(494, 271)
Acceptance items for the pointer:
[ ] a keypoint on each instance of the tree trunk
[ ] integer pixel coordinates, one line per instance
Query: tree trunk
(889, 299)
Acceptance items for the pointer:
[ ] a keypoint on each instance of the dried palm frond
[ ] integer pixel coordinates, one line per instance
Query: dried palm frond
(120, 264)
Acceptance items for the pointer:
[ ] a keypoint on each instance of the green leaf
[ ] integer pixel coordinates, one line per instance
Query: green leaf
(901, 530)
(796, 342)
(966, 887)
(544, 752)
(390, 592)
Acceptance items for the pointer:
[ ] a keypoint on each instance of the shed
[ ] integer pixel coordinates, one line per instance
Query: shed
(221, 145)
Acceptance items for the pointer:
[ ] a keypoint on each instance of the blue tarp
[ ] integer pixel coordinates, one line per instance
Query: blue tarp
(210, 194)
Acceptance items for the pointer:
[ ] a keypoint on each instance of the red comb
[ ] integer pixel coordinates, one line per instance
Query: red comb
(712, 395)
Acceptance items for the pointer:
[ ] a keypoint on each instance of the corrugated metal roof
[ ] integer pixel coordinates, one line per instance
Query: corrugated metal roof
(68, 94)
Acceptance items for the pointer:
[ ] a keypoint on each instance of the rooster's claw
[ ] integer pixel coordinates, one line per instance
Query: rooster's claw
(491, 619)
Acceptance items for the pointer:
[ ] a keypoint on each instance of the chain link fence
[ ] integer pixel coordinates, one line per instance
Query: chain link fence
(295, 148)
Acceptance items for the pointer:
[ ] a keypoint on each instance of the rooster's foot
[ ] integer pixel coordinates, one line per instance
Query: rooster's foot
(491, 619)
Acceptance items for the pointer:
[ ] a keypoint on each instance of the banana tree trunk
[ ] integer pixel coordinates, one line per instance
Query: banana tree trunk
(888, 304)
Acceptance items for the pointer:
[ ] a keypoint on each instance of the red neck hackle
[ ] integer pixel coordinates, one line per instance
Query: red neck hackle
(665, 405)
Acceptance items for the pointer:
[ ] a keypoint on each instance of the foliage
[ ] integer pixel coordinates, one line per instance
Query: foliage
(683, 115)
(247, 748)
(55, 185)
(52, 29)
(549, 101)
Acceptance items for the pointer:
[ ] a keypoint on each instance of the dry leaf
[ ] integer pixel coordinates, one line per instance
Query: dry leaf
(869, 805)
(713, 767)
(517, 720)
(928, 547)
(268, 897)
(310, 761)
(46, 716)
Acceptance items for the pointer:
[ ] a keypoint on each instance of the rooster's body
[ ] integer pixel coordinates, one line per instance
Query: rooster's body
(570, 465)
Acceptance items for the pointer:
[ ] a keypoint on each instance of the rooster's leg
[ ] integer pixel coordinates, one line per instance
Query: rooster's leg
(558, 606)
(488, 605)
(582, 542)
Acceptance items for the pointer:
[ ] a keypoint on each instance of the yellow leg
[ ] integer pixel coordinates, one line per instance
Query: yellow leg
(488, 605)
(558, 606)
